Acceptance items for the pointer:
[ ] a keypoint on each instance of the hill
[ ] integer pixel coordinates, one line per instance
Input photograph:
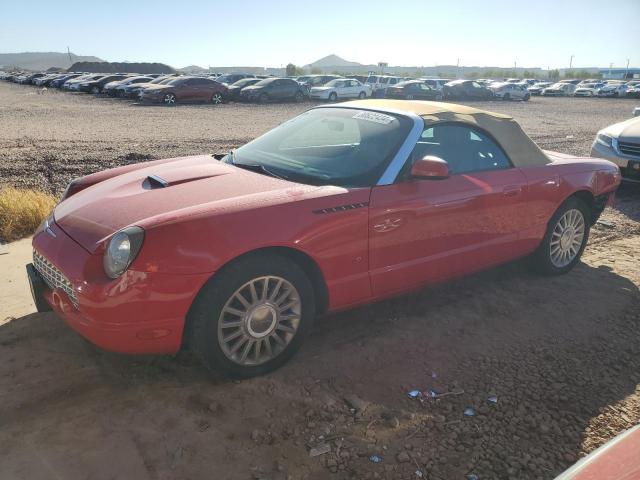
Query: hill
(43, 60)
(332, 61)
(120, 67)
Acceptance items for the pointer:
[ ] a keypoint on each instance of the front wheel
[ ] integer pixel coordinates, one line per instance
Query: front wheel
(362, 95)
(506, 97)
(408, 97)
(95, 90)
(439, 97)
(526, 97)
(333, 96)
(263, 98)
(252, 317)
(217, 98)
(566, 237)
(299, 97)
(169, 99)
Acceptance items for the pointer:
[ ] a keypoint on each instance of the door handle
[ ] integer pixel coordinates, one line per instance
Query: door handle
(511, 191)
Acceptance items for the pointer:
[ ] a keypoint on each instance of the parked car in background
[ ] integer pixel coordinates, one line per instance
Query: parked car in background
(45, 80)
(58, 82)
(560, 89)
(116, 87)
(133, 90)
(613, 90)
(510, 91)
(414, 90)
(466, 90)
(574, 81)
(231, 78)
(588, 89)
(620, 144)
(185, 89)
(74, 83)
(633, 91)
(310, 81)
(536, 88)
(273, 90)
(234, 258)
(380, 83)
(235, 88)
(95, 86)
(435, 83)
(340, 88)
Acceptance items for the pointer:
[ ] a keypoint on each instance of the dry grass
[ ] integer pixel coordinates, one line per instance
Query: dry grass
(21, 211)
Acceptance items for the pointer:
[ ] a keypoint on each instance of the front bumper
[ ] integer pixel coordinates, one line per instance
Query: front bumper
(138, 313)
(629, 167)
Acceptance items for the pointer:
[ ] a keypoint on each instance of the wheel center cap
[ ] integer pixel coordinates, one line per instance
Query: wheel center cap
(261, 320)
(565, 240)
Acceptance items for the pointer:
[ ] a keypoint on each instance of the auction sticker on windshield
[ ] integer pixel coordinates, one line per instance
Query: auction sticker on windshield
(374, 117)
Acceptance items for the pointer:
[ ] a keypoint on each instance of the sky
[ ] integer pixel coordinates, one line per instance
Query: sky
(533, 33)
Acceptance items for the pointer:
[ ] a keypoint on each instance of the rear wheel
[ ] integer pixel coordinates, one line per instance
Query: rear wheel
(263, 98)
(526, 97)
(362, 95)
(95, 90)
(408, 96)
(299, 97)
(506, 97)
(169, 99)
(439, 97)
(252, 316)
(566, 237)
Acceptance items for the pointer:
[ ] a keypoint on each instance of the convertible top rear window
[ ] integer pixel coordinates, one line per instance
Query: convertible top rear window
(329, 146)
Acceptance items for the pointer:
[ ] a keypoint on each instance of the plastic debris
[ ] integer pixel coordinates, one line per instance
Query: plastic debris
(469, 412)
(570, 137)
(492, 399)
(432, 393)
(472, 476)
(375, 458)
(415, 393)
(434, 375)
(320, 450)
(419, 474)
(605, 223)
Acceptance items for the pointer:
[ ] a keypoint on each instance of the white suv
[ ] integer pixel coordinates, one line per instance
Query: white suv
(380, 83)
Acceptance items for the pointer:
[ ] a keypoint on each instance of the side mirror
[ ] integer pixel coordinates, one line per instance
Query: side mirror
(430, 167)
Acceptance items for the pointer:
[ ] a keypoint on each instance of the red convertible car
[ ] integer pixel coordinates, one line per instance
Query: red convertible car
(234, 255)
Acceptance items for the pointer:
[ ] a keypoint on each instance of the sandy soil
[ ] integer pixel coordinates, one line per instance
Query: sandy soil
(560, 354)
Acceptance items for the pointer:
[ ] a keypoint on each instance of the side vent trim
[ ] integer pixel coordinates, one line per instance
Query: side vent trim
(341, 208)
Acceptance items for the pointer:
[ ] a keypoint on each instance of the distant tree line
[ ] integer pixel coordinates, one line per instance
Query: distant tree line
(120, 67)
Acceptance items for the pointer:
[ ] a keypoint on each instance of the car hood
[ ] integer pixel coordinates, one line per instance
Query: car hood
(195, 186)
(321, 89)
(627, 131)
(253, 87)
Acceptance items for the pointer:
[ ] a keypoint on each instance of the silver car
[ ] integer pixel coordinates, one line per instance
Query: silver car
(620, 144)
(510, 91)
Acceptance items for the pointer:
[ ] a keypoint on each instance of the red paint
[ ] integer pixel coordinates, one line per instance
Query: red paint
(399, 237)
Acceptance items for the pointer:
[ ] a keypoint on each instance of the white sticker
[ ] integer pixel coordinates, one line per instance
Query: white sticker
(374, 117)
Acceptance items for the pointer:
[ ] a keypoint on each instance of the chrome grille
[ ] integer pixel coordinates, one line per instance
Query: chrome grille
(629, 148)
(53, 277)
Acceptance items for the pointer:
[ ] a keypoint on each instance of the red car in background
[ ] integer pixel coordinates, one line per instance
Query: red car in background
(234, 255)
(185, 90)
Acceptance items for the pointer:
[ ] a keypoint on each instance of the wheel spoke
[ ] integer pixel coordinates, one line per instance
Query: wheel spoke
(276, 289)
(233, 336)
(233, 311)
(285, 328)
(254, 294)
(235, 324)
(242, 300)
(246, 351)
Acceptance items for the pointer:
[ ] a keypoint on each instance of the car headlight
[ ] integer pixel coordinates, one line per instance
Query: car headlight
(605, 140)
(122, 251)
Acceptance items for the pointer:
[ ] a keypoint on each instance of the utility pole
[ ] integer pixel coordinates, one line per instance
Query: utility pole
(69, 53)
(626, 72)
(458, 67)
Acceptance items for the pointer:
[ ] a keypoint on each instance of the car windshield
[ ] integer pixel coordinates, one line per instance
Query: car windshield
(328, 146)
(335, 83)
(266, 81)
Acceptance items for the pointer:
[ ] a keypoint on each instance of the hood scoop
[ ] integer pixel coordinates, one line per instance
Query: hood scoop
(154, 181)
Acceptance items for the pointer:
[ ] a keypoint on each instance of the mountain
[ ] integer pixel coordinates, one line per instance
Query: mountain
(192, 69)
(332, 61)
(43, 60)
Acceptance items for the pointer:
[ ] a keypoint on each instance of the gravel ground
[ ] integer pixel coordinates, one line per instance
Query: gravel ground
(560, 355)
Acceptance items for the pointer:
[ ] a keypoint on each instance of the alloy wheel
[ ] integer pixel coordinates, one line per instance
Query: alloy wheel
(169, 99)
(259, 320)
(567, 237)
(216, 99)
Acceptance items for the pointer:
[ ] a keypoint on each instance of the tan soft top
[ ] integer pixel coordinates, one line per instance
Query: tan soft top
(522, 151)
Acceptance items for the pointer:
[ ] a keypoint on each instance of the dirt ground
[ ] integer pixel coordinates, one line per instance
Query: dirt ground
(559, 355)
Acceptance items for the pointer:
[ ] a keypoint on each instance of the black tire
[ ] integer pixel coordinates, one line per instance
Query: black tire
(333, 96)
(527, 96)
(408, 96)
(95, 90)
(298, 97)
(169, 99)
(439, 97)
(541, 259)
(362, 95)
(506, 97)
(263, 98)
(206, 312)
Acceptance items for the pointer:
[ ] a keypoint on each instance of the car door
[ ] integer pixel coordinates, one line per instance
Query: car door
(423, 231)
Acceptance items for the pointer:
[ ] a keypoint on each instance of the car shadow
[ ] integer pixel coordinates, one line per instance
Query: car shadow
(556, 351)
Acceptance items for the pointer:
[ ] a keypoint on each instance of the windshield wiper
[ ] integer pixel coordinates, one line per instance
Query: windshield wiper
(254, 167)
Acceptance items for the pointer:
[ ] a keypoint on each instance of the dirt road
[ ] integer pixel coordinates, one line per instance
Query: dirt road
(559, 354)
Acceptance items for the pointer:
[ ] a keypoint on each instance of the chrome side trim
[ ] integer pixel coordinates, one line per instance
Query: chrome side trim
(389, 176)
